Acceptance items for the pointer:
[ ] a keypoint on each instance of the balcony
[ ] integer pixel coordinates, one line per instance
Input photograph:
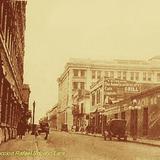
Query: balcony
(77, 78)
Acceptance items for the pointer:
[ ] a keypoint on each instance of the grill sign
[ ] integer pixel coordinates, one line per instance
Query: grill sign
(119, 87)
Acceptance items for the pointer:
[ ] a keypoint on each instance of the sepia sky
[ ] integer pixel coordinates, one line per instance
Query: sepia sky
(57, 30)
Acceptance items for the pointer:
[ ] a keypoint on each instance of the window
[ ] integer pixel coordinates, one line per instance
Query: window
(132, 75)
(82, 108)
(98, 96)
(149, 76)
(144, 76)
(106, 74)
(112, 74)
(82, 85)
(93, 74)
(82, 73)
(122, 115)
(75, 72)
(137, 76)
(98, 74)
(119, 75)
(158, 76)
(116, 116)
(124, 75)
(93, 99)
(75, 85)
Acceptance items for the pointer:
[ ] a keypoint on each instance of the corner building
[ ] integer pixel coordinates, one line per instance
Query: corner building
(82, 73)
(12, 27)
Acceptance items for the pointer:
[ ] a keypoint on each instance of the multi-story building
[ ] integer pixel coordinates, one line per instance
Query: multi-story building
(12, 27)
(82, 73)
(106, 92)
(141, 112)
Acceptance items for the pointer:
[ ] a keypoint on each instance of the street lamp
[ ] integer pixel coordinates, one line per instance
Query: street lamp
(134, 116)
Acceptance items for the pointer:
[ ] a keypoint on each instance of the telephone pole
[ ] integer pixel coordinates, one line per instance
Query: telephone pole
(33, 125)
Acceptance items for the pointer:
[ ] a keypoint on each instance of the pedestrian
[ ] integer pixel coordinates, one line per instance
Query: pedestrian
(21, 128)
(36, 133)
(46, 130)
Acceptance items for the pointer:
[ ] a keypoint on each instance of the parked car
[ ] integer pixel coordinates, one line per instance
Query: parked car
(64, 127)
(115, 128)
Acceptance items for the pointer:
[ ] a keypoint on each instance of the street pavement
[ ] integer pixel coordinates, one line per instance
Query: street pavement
(17, 147)
(68, 146)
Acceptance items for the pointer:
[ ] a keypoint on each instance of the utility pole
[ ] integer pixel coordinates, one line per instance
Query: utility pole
(33, 125)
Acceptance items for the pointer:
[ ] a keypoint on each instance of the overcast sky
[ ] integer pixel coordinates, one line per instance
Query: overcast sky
(98, 29)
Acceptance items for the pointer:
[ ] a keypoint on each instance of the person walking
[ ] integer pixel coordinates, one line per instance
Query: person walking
(47, 131)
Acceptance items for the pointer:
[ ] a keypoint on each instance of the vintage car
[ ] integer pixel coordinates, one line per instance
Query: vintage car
(42, 128)
(64, 127)
(115, 128)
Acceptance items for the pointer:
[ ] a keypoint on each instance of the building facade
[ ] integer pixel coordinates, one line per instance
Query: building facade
(81, 109)
(82, 73)
(141, 111)
(106, 92)
(52, 117)
(12, 103)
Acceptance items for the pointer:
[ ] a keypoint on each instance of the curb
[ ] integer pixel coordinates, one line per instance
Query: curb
(130, 141)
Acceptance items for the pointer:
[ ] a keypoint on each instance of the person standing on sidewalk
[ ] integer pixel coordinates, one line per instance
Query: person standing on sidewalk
(46, 130)
(21, 128)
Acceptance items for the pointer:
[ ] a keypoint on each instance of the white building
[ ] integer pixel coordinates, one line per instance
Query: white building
(82, 73)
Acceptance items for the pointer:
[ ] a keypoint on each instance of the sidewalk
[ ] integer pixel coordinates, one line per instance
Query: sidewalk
(150, 142)
(17, 149)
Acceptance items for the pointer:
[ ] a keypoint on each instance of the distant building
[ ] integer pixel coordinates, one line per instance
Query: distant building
(81, 109)
(12, 103)
(82, 73)
(52, 117)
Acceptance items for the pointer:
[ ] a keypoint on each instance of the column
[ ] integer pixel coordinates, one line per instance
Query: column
(4, 96)
(7, 104)
(1, 94)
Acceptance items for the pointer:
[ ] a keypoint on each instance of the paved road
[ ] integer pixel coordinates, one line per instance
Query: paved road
(82, 147)
(66, 146)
